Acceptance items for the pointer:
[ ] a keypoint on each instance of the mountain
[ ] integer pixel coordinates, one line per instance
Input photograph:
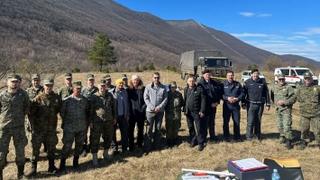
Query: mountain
(62, 31)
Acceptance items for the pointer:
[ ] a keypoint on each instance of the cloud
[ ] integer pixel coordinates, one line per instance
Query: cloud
(310, 31)
(242, 35)
(252, 14)
(247, 14)
(297, 38)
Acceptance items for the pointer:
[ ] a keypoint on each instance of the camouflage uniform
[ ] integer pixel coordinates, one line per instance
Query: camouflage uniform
(45, 109)
(88, 93)
(75, 114)
(309, 99)
(14, 107)
(65, 91)
(32, 92)
(173, 116)
(283, 113)
(103, 116)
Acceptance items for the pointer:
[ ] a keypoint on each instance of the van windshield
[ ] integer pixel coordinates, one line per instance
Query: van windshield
(301, 72)
(211, 62)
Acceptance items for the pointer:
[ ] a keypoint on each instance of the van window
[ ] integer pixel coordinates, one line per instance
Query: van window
(301, 72)
(293, 73)
(285, 72)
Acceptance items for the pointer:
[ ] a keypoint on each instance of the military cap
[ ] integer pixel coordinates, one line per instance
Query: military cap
(90, 76)
(68, 75)
(48, 81)
(124, 76)
(35, 76)
(281, 76)
(13, 77)
(77, 84)
(307, 75)
(102, 82)
(107, 77)
(173, 84)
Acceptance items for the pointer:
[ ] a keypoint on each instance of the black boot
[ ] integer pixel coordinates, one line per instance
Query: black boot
(1, 175)
(52, 168)
(20, 174)
(62, 165)
(75, 162)
(33, 171)
(303, 145)
(288, 144)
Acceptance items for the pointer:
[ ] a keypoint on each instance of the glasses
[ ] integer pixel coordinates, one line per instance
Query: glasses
(282, 79)
(156, 77)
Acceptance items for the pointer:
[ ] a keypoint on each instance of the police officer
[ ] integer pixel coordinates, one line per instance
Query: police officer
(173, 114)
(14, 105)
(283, 97)
(195, 106)
(213, 92)
(75, 113)
(45, 108)
(256, 96)
(103, 119)
(88, 92)
(232, 95)
(308, 95)
(67, 89)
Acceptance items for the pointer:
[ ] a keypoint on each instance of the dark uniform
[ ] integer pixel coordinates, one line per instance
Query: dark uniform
(232, 89)
(195, 102)
(213, 93)
(256, 96)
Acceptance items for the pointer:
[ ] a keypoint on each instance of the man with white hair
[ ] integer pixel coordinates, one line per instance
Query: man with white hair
(137, 110)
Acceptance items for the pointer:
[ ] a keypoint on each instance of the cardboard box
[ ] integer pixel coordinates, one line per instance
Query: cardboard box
(261, 174)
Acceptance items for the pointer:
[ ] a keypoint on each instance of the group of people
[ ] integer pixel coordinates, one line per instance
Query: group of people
(91, 112)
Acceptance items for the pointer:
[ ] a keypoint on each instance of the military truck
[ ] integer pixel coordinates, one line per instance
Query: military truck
(194, 62)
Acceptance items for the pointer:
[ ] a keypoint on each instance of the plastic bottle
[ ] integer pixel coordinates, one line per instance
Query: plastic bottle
(275, 175)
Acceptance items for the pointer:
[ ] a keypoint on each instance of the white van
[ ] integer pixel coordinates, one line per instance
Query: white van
(294, 75)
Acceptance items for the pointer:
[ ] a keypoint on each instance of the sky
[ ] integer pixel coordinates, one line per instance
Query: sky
(279, 26)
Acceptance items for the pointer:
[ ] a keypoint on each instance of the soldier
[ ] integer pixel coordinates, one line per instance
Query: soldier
(213, 92)
(75, 113)
(173, 114)
(108, 82)
(67, 89)
(256, 96)
(125, 80)
(103, 119)
(45, 108)
(232, 95)
(308, 95)
(88, 92)
(36, 87)
(195, 106)
(155, 97)
(282, 95)
(14, 104)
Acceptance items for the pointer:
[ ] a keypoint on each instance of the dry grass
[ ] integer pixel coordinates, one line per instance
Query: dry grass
(167, 163)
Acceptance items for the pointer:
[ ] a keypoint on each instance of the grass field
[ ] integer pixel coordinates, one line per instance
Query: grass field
(167, 163)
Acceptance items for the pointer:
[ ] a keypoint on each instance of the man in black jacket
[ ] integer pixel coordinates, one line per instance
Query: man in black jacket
(213, 92)
(256, 96)
(194, 109)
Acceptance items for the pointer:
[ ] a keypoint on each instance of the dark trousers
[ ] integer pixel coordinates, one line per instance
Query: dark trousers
(197, 128)
(210, 118)
(254, 120)
(123, 125)
(234, 111)
(139, 121)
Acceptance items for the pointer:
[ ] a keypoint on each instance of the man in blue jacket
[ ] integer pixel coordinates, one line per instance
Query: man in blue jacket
(256, 96)
(232, 95)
